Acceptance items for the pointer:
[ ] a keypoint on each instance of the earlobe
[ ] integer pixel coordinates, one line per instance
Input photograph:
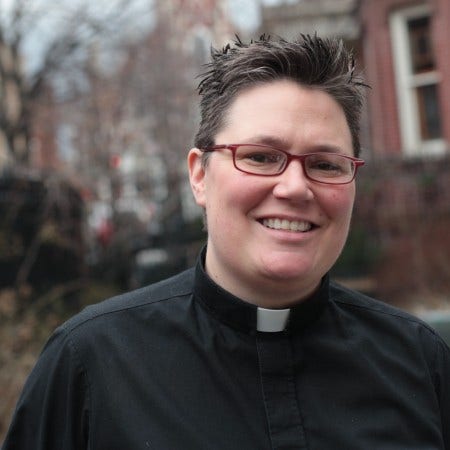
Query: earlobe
(197, 175)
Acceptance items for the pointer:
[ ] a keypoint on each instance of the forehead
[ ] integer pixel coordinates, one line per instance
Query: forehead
(286, 110)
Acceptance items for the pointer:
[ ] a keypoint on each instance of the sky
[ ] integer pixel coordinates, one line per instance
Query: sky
(245, 13)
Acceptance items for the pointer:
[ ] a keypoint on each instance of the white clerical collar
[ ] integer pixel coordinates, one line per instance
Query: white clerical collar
(271, 320)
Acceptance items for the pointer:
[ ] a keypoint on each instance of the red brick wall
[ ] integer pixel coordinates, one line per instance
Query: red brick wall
(380, 75)
(379, 70)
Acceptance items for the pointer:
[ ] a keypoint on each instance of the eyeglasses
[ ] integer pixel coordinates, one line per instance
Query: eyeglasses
(267, 161)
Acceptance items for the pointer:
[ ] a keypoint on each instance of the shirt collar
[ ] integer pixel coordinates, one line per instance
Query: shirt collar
(247, 317)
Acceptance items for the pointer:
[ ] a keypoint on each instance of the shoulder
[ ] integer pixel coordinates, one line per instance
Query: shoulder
(380, 315)
(356, 300)
(111, 327)
(163, 294)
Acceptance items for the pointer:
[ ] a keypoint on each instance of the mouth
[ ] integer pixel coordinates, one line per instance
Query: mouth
(296, 226)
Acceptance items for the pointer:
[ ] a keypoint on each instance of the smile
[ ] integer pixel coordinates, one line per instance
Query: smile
(288, 225)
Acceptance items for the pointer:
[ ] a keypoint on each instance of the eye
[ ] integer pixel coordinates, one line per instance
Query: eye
(257, 156)
(326, 166)
(263, 157)
(329, 164)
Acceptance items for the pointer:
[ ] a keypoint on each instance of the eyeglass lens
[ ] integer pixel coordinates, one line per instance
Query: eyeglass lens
(325, 167)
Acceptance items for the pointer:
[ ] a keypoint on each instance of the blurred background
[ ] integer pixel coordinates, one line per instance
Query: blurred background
(98, 109)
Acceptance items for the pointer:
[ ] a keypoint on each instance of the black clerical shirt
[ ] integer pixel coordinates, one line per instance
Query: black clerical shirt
(181, 365)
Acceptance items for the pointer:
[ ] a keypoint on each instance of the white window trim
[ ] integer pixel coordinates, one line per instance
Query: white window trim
(406, 82)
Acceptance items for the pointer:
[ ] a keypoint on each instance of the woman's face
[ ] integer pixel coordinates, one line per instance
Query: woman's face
(246, 255)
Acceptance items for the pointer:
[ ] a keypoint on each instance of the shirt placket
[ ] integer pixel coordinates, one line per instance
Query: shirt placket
(279, 391)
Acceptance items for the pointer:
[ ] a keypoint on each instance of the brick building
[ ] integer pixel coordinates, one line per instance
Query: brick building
(407, 62)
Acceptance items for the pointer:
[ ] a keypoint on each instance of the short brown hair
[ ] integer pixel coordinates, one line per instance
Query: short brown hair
(311, 61)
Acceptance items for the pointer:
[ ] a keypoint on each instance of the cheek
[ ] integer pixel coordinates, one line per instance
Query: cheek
(233, 192)
(221, 199)
(338, 205)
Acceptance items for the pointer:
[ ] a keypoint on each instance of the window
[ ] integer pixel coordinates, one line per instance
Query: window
(422, 58)
(428, 107)
(417, 81)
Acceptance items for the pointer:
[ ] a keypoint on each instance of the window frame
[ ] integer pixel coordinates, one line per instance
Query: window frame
(407, 84)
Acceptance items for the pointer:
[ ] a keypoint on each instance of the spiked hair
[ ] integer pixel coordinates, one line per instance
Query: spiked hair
(323, 64)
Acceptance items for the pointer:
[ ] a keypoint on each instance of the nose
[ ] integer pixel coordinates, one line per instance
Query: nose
(293, 183)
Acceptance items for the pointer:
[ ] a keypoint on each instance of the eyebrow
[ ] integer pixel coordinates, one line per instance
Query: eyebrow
(283, 144)
(273, 141)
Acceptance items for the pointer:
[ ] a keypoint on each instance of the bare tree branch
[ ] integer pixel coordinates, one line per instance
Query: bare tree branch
(70, 30)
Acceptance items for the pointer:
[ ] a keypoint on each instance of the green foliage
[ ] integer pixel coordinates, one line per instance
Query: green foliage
(11, 245)
(359, 256)
(41, 230)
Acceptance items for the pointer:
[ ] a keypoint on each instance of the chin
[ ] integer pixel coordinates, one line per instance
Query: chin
(288, 272)
(291, 267)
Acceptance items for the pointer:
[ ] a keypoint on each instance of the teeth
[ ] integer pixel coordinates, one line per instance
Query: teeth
(283, 224)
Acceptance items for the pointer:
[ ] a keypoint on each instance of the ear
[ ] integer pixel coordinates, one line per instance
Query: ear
(197, 175)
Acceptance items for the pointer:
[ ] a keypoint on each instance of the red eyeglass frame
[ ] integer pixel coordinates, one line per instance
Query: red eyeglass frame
(290, 157)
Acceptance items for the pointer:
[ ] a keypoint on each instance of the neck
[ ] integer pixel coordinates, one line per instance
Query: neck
(265, 293)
